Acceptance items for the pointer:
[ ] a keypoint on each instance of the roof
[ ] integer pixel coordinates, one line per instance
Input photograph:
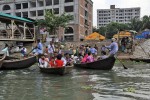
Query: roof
(6, 16)
(95, 36)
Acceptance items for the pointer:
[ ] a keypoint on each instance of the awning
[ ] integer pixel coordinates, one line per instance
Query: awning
(95, 36)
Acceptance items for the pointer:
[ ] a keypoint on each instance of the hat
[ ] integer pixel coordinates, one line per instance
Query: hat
(113, 39)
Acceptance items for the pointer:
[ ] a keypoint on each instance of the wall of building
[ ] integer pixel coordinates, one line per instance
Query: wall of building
(121, 15)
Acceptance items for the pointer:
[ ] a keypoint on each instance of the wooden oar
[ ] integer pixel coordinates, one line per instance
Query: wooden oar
(143, 50)
(31, 51)
(122, 63)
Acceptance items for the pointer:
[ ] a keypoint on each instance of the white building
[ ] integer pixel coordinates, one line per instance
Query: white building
(82, 10)
(121, 15)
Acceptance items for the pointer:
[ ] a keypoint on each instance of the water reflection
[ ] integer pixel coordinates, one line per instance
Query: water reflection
(30, 84)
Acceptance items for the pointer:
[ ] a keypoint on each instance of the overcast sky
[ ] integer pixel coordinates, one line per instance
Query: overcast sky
(105, 4)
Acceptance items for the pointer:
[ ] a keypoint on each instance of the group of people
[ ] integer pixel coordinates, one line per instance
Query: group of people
(126, 44)
(50, 56)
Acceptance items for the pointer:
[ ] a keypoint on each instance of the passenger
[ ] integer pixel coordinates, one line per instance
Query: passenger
(52, 62)
(23, 51)
(43, 63)
(90, 57)
(6, 50)
(84, 58)
(58, 61)
(63, 59)
(104, 56)
(68, 59)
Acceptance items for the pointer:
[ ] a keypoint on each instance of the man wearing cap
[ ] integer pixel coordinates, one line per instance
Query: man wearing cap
(113, 47)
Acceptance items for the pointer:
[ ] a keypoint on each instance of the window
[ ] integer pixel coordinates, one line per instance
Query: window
(86, 13)
(40, 12)
(6, 7)
(56, 2)
(86, 22)
(69, 30)
(48, 2)
(66, 1)
(24, 14)
(18, 14)
(68, 9)
(18, 6)
(68, 38)
(41, 3)
(25, 5)
(56, 10)
(33, 13)
(32, 4)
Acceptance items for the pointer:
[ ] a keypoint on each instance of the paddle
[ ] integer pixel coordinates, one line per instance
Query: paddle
(143, 50)
(31, 51)
(122, 63)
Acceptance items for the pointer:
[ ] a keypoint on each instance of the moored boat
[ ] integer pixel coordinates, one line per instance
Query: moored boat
(2, 57)
(18, 63)
(105, 64)
(147, 60)
(58, 71)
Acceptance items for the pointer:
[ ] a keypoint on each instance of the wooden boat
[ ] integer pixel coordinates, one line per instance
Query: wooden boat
(18, 63)
(2, 57)
(140, 59)
(57, 71)
(105, 64)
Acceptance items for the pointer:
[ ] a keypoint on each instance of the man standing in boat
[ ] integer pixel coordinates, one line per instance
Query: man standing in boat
(39, 48)
(113, 47)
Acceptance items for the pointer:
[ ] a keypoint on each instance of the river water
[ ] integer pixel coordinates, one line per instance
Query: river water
(81, 84)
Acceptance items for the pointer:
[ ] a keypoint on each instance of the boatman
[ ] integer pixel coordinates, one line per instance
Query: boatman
(39, 48)
(6, 50)
(113, 47)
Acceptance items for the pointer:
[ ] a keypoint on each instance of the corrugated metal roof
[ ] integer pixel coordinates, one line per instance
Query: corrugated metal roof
(15, 17)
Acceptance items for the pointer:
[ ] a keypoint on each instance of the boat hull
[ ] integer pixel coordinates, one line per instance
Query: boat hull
(18, 64)
(105, 64)
(58, 71)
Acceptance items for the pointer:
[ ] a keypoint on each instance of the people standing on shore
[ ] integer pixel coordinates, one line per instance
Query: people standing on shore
(113, 47)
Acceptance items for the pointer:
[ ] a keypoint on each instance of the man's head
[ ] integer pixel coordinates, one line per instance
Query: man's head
(113, 39)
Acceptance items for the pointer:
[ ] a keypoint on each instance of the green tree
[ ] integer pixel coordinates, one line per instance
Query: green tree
(52, 22)
(145, 22)
(135, 24)
(102, 30)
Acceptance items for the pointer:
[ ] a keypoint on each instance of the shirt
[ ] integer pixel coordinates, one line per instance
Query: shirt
(51, 48)
(93, 50)
(59, 63)
(39, 49)
(6, 51)
(113, 48)
(89, 59)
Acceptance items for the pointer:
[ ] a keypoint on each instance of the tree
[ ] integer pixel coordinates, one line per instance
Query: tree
(102, 30)
(135, 24)
(145, 22)
(52, 22)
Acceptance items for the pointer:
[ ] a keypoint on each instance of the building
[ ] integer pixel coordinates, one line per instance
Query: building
(121, 15)
(82, 10)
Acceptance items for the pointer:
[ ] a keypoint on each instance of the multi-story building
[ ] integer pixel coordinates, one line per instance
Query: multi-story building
(82, 10)
(121, 15)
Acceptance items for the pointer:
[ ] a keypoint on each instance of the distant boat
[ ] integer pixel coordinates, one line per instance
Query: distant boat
(147, 60)
(57, 71)
(18, 63)
(105, 64)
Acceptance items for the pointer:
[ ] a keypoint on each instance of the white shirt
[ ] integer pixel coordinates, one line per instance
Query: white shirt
(6, 51)
(64, 61)
(51, 48)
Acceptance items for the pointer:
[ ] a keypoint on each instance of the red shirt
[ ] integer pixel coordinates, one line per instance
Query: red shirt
(59, 63)
(52, 63)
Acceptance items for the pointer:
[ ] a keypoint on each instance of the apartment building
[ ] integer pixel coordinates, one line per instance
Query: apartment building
(121, 15)
(82, 10)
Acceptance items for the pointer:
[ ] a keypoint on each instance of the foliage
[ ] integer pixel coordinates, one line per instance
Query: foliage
(52, 22)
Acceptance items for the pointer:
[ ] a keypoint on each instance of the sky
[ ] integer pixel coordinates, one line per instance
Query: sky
(105, 4)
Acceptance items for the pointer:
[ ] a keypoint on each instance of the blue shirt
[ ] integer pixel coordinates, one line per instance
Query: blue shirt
(113, 48)
(93, 50)
(39, 49)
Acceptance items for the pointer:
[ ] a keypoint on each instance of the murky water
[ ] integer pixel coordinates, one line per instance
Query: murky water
(117, 84)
